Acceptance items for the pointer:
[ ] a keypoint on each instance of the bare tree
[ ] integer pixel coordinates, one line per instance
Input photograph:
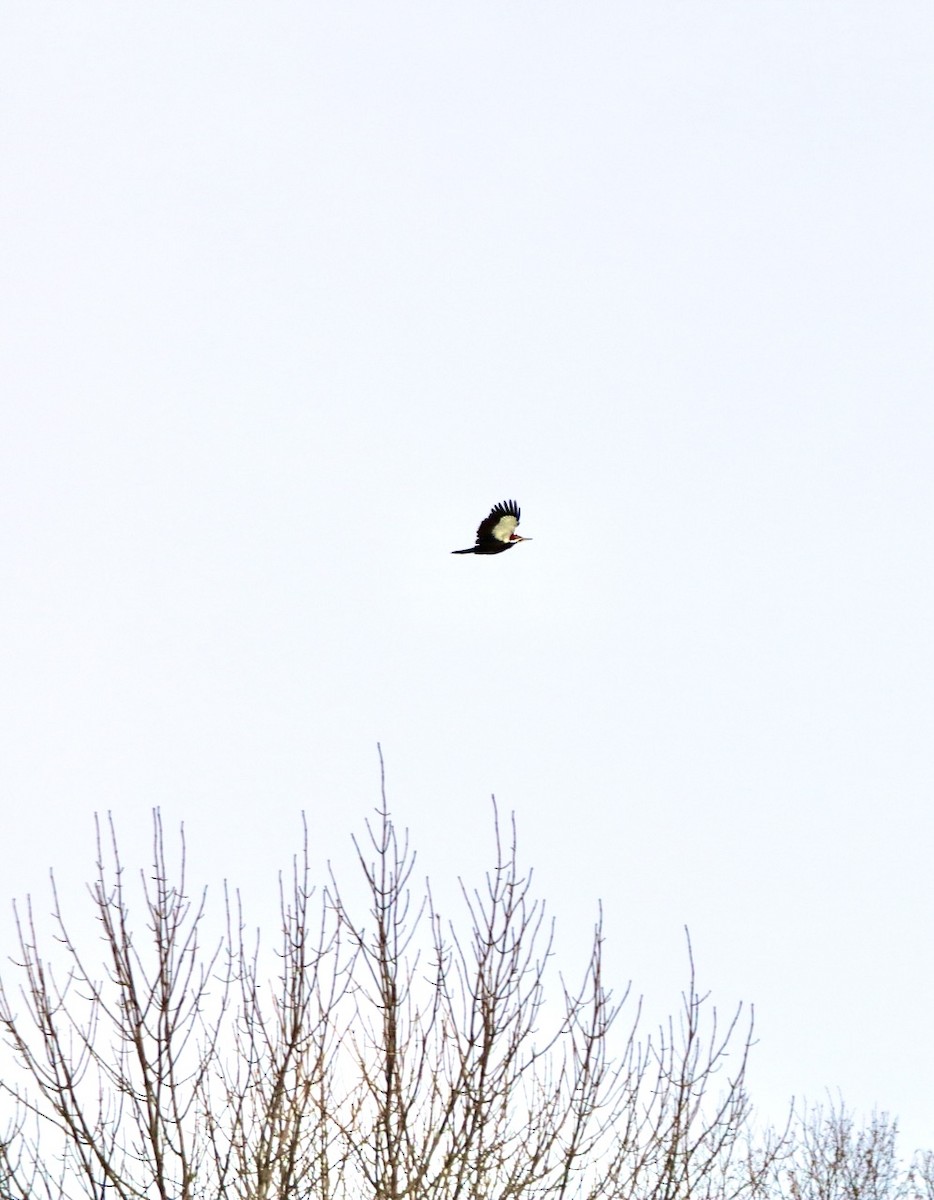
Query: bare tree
(833, 1157)
(269, 1101)
(382, 1052)
(922, 1176)
(112, 1065)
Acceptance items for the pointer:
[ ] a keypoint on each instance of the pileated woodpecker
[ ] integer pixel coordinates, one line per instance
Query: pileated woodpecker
(498, 532)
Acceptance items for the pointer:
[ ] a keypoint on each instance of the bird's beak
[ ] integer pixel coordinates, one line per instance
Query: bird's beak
(517, 537)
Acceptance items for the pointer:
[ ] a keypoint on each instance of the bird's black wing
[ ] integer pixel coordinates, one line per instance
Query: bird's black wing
(501, 522)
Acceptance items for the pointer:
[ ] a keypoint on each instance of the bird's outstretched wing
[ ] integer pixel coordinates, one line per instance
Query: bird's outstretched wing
(500, 524)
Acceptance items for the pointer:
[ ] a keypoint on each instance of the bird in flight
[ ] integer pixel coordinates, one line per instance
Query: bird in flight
(498, 532)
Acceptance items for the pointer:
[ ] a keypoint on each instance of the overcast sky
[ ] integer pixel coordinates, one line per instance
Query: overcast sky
(293, 293)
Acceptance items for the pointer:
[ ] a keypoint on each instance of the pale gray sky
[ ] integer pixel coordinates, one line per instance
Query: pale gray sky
(292, 293)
